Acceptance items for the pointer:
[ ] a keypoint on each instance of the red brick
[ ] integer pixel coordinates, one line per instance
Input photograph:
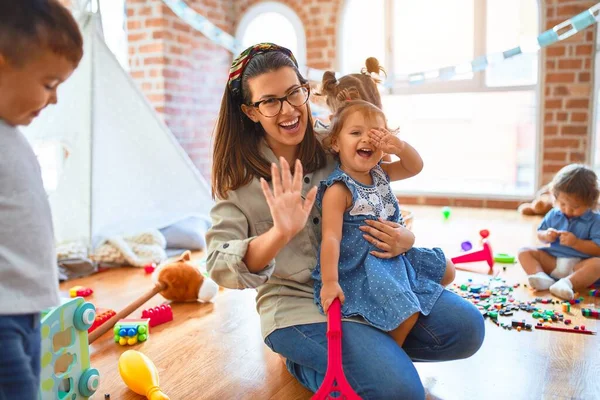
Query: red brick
(154, 47)
(561, 77)
(570, 63)
(560, 143)
(469, 203)
(555, 51)
(579, 117)
(577, 157)
(560, 91)
(552, 104)
(136, 37)
(573, 130)
(584, 50)
(562, 116)
(550, 130)
(555, 155)
(578, 103)
(584, 77)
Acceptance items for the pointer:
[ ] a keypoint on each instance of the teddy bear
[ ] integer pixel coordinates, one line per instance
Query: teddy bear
(541, 204)
(184, 282)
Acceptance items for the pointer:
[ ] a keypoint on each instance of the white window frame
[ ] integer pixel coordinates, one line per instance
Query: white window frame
(287, 12)
(474, 85)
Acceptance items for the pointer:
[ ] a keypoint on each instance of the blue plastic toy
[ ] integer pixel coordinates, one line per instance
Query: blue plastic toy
(66, 372)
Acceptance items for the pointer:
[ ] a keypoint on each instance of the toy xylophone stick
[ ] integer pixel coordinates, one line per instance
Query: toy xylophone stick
(131, 307)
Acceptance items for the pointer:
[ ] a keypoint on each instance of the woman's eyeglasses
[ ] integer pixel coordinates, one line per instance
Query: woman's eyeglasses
(272, 107)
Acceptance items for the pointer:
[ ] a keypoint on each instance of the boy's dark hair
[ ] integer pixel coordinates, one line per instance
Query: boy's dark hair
(577, 180)
(26, 26)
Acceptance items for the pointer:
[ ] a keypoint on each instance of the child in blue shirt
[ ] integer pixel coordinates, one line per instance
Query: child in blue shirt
(572, 228)
(40, 46)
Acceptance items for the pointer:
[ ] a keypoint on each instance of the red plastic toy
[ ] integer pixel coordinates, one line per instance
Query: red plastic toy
(149, 268)
(101, 318)
(484, 233)
(80, 291)
(335, 385)
(484, 254)
(158, 315)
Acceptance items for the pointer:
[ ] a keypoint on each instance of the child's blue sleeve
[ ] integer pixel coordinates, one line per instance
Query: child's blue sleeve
(547, 221)
(595, 231)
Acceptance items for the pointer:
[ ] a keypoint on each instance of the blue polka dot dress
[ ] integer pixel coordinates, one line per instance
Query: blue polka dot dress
(385, 292)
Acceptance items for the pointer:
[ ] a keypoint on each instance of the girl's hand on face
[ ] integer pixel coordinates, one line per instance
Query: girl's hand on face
(568, 239)
(387, 236)
(288, 209)
(386, 141)
(329, 292)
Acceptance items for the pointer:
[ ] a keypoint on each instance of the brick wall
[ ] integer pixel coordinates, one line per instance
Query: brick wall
(568, 94)
(182, 73)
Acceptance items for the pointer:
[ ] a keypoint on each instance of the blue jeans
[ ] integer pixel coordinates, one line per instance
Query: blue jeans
(375, 366)
(20, 346)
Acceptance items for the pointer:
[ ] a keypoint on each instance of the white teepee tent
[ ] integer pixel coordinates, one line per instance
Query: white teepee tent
(125, 172)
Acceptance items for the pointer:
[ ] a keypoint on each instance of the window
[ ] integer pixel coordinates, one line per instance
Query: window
(114, 27)
(276, 23)
(476, 132)
(359, 42)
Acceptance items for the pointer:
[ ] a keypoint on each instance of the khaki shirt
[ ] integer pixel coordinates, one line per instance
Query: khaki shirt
(285, 288)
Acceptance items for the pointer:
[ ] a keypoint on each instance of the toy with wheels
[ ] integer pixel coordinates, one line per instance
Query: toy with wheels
(66, 372)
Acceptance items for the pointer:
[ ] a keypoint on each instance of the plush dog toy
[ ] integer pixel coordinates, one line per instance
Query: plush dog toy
(177, 281)
(541, 204)
(184, 281)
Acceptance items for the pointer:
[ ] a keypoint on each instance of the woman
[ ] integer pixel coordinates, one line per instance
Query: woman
(267, 238)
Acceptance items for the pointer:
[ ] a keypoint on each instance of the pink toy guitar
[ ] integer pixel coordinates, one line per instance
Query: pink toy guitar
(335, 386)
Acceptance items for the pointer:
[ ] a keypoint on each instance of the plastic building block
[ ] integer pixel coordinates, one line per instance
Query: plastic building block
(466, 245)
(101, 318)
(80, 291)
(504, 258)
(159, 314)
(446, 212)
(131, 331)
(557, 329)
(590, 313)
(594, 293)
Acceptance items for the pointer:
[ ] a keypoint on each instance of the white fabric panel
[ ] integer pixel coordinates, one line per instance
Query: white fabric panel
(126, 172)
(142, 178)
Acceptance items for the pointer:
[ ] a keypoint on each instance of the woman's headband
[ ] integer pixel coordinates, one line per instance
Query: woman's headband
(239, 64)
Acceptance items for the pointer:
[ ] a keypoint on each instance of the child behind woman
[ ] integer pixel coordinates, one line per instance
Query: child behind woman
(572, 228)
(389, 294)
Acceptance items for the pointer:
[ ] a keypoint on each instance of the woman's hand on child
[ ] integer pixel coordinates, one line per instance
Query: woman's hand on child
(567, 238)
(387, 236)
(288, 209)
(329, 292)
(386, 141)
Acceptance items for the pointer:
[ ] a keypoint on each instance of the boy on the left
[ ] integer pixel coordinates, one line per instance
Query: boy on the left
(40, 46)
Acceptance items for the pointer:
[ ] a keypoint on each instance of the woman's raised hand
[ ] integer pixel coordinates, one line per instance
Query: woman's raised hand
(288, 209)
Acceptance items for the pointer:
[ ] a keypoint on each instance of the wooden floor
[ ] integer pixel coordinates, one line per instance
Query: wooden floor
(214, 351)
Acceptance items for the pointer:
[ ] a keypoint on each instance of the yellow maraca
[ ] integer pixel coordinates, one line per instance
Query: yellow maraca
(140, 375)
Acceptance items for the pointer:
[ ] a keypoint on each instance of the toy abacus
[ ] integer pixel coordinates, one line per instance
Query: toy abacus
(335, 385)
